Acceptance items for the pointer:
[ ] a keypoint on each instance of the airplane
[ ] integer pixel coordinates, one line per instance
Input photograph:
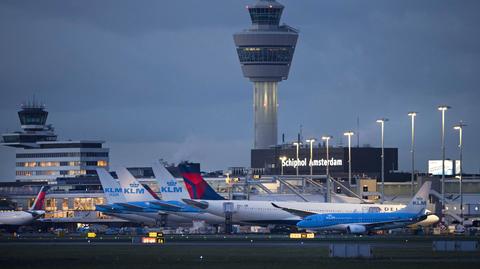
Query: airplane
(197, 187)
(18, 218)
(114, 195)
(142, 201)
(264, 213)
(360, 223)
(173, 192)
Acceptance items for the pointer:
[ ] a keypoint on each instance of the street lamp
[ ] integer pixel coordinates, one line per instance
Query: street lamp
(297, 144)
(311, 141)
(282, 159)
(412, 149)
(382, 125)
(349, 134)
(443, 108)
(459, 127)
(327, 138)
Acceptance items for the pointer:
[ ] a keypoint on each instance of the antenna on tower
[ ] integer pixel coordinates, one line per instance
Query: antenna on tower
(358, 131)
(300, 137)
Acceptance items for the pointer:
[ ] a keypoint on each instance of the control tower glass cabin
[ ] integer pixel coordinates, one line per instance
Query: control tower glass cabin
(265, 51)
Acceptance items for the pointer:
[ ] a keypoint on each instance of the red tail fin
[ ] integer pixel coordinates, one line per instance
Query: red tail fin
(40, 199)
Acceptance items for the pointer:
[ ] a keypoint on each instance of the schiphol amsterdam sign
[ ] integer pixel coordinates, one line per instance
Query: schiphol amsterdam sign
(303, 162)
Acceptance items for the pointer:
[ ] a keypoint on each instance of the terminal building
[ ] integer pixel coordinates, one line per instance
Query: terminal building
(366, 161)
(41, 157)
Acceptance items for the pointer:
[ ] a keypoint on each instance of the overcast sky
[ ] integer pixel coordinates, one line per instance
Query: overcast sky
(161, 79)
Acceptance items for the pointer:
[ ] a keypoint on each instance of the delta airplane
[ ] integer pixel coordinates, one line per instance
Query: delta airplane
(19, 218)
(264, 213)
(359, 223)
(173, 192)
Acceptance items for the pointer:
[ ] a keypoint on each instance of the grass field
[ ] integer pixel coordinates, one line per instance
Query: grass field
(240, 253)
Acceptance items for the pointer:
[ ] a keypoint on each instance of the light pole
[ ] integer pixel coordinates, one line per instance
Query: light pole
(282, 159)
(443, 108)
(327, 138)
(297, 144)
(311, 141)
(459, 127)
(349, 135)
(412, 149)
(382, 125)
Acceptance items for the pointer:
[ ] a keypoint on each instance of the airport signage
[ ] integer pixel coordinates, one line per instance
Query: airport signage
(305, 162)
(435, 167)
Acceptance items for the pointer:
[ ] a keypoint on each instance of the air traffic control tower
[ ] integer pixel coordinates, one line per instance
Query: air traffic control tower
(265, 51)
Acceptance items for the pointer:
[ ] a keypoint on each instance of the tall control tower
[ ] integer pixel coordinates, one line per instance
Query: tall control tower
(265, 51)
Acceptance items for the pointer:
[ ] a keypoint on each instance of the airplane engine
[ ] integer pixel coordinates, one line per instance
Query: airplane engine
(356, 229)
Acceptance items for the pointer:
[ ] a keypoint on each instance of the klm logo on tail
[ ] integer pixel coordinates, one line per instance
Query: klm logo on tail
(117, 191)
(172, 187)
(419, 201)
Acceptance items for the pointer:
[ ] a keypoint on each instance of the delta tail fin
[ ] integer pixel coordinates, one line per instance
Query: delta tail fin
(170, 189)
(197, 187)
(132, 189)
(111, 188)
(40, 199)
(419, 200)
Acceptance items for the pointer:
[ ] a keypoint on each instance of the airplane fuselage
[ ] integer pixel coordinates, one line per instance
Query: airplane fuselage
(16, 218)
(263, 212)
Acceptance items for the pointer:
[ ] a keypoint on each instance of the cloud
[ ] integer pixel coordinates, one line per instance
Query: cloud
(165, 73)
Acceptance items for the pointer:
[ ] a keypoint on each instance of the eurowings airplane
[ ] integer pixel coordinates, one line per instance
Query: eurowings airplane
(19, 218)
(359, 223)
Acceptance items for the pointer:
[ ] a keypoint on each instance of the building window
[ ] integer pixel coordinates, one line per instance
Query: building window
(65, 204)
(24, 173)
(76, 172)
(102, 163)
(62, 155)
(365, 188)
(265, 54)
(50, 204)
(265, 15)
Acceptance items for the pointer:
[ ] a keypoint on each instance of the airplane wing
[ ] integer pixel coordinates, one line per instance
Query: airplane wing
(108, 208)
(381, 224)
(131, 207)
(166, 206)
(296, 212)
(198, 204)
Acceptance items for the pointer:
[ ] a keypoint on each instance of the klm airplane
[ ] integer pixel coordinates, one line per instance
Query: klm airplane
(137, 201)
(359, 223)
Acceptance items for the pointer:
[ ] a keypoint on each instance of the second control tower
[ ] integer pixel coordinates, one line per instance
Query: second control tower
(265, 51)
